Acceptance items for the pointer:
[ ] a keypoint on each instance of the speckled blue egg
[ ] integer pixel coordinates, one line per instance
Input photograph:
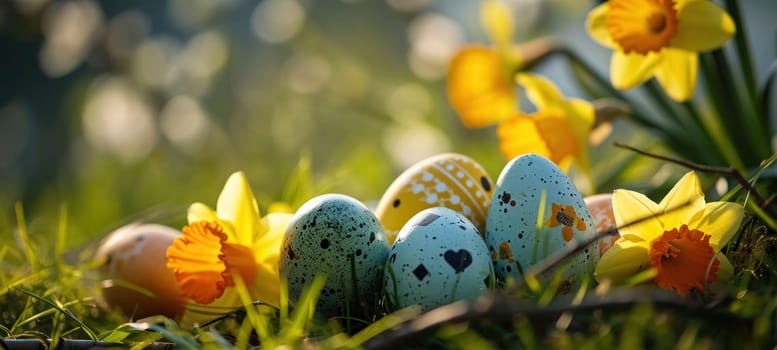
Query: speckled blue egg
(438, 257)
(522, 229)
(337, 236)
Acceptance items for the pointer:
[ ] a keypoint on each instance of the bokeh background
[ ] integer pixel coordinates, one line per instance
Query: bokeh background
(132, 110)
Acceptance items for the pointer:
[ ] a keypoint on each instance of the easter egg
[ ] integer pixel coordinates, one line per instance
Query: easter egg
(446, 180)
(339, 237)
(438, 257)
(134, 265)
(536, 212)
(600, 207)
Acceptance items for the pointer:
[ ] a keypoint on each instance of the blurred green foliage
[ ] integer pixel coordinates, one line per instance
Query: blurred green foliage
(131, 111)
(112, 112)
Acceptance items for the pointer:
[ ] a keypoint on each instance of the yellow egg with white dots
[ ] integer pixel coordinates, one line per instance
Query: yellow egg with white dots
(449, 180)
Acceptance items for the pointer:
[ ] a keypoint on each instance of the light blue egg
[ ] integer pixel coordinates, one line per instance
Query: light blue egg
(438, 257)
(513, 236)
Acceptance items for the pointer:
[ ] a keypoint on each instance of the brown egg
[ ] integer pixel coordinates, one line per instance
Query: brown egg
(137, 281)
(600, 207)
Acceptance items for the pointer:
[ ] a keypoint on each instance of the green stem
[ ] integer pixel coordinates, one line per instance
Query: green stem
(718, 92)
(766, 92)
(748, 134)
(743, 49)
(703, 143)
(748, 106)
(713, 129)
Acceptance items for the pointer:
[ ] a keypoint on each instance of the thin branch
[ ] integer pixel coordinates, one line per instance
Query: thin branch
(75, 344)
(498, 306)
(770, 201)
(708, 169)
(234, 313)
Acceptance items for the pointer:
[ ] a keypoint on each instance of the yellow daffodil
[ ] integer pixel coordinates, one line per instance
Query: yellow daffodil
(219, 245)
(678, 239)
(558, 130)
(660, 38)
(480, 86)
(480, 77)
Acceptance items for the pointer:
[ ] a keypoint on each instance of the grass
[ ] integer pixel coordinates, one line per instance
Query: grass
(48, 302)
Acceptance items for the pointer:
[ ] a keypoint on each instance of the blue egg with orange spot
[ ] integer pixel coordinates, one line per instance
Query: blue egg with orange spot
(536, 212)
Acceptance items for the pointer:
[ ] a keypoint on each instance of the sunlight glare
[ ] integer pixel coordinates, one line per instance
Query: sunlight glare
(118, 119)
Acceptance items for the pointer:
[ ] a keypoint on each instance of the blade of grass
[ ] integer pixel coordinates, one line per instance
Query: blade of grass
(381, 325)
(257, 322)
(303, 310)
(766, 91)
(59, 245)
(5, 330)
(89, 332)
(29, 252)
(703, 134)
(181, 341)
(743, 48)
(169, 329)
(32, 278)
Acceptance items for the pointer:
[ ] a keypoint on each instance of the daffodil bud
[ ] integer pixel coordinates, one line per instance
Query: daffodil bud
(528, 54)
(605, 111)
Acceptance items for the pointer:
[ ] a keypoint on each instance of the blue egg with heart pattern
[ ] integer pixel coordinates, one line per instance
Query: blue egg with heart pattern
(439, 257)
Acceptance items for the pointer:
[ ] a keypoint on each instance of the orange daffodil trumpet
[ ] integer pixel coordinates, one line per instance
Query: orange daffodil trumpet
(558, 130)
(218, 246)
(659, 38)
(679, 239)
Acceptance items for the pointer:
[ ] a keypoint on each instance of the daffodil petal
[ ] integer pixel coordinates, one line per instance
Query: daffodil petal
(703, 26)
(479, 87)
(266, 285)
(677, 73)
(581, 112)
(682, 202)
(267, 250)
(497, 21)
(596, 25)
(630, 70)
(540, 91)
(635, 216)
(549, 135)
(725, 271)
(198, 313)
(280, 207)
(680, 4)
(200, 212)
(720, 220)
(581, 115)
(237, 205)
(622, 261)
(519, 135)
